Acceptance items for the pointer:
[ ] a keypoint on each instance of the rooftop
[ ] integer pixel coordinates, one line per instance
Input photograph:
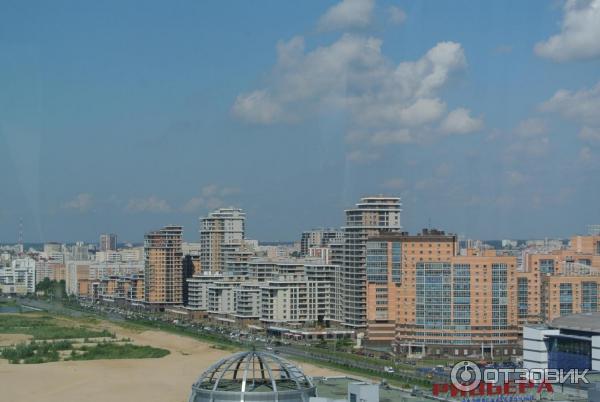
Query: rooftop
(581, 322)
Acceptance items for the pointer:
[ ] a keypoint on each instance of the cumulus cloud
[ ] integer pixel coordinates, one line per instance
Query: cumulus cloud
(396, 15)
(581, 106)
(82, 203)
(531, 127)
(211, 196)
(537, 146)
(347, 14)
(149, 204)
(257, 107)
(578, 37)
(459, 121)
(386, 102)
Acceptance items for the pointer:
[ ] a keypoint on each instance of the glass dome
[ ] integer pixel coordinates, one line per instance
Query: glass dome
(253, 376)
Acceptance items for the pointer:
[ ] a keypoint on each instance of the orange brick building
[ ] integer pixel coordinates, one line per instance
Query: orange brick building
(424, 297)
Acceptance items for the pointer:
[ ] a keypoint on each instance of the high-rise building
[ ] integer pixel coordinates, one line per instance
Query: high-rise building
(437, 301)
(318, 238)
(163, 270)
(220, 232)
(371, 216)
(19, 277)
(108, 241)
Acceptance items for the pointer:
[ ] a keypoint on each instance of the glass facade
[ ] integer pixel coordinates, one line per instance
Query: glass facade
(397, 262)
(568, 353)
(589, 297)
(376, 264)
(522, 297)
(433, 295)
(547, 266)
(566, 299)
(500, 295)
(462, 296)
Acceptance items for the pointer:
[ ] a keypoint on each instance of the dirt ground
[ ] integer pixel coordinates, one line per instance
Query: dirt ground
(11, 339)
(167, 379)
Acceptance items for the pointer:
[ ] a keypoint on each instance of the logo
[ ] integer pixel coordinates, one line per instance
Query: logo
(468, 379)
(465, 376)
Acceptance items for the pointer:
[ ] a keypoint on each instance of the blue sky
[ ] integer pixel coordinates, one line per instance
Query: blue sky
(123, 116)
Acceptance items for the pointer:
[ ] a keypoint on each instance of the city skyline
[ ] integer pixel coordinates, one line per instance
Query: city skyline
(116, 121)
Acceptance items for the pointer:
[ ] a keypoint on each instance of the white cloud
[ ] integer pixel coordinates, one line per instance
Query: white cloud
(459, 121)
(347, 14)
(579, 35)
(386, 102)
(82, 203)
(211, 197)
(257, 107)
(531, 127)
(396, 15)
(537, 146)
(149, 204)
(581, 106)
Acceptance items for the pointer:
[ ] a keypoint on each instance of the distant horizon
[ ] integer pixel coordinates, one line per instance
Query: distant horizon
(283, 242)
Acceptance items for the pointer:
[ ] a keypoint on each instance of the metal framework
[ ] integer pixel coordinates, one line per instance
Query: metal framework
(253, 376)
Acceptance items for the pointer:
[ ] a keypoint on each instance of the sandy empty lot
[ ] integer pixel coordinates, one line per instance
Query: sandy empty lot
(146, 380)
(11, 339)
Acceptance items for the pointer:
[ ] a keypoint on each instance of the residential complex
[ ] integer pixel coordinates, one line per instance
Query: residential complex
(425, 293)
(371, 217)
(19, 277)
(108, 242)
(221, 231)
(319, 238)
(422, 293)
(163, 267)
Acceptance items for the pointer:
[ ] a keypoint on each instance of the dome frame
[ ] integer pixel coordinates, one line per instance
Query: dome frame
(253, 376)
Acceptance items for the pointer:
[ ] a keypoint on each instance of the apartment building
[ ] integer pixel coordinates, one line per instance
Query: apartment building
(221, 302)
(198, 290)
(108, 242)
(163, 269)
(222, 231)
(80, 274)
(372, 216)
(425, 298)
(51, 269)
(294, 299)
(544, 274)
(248, 301)
(569, 293)
(19, 277)
(319, 238)
(118, 289)
(273, 291)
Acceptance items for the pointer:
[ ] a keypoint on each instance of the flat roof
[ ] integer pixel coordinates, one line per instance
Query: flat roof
(589, 322)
